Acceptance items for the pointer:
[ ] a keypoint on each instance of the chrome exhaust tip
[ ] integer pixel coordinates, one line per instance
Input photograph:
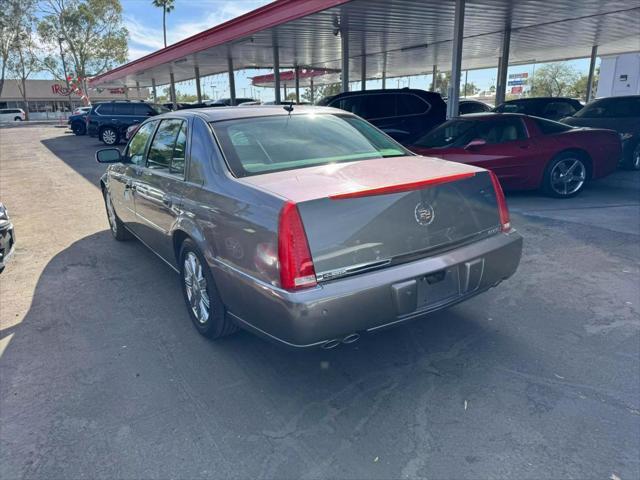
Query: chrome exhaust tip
(329, 344)
(354, 337)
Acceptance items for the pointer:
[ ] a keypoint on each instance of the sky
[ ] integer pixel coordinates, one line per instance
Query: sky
(189, 17)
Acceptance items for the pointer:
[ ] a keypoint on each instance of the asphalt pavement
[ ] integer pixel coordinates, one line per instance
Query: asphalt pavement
(103, 376)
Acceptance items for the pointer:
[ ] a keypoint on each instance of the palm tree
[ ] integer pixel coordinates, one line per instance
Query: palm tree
(167, 6)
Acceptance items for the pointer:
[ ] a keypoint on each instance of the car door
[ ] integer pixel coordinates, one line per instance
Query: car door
(122, 176)
(160, 186)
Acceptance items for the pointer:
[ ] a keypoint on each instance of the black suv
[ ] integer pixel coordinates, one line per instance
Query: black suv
(553, 108)
(404, 114)
(109, 121)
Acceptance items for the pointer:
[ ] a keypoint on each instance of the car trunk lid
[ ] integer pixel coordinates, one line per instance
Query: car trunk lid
(363, 215)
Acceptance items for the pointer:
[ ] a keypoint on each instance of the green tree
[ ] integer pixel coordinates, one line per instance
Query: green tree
(13, 14)
(553, 80)
(90, 33)
(470, 89)
(181, 97)
(579, 88)
(167, 6)
(22, 60)
(320, 92)
(442, 85)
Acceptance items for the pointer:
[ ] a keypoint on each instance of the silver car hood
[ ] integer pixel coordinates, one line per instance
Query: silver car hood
(311, 183)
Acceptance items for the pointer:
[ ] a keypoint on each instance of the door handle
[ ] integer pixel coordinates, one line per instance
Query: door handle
(130, 186)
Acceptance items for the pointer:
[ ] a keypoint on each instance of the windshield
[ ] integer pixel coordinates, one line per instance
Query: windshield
(285, 142)
(449, 134)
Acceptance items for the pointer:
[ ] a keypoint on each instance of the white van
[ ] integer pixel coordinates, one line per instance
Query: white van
(11, 115)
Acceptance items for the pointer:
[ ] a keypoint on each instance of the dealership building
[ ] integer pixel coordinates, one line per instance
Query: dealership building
(51, 99)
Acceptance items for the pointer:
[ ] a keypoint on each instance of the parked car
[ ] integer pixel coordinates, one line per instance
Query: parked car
(109, 120)
(81, 110)
(306, 226)
(553, 108)
(131, 131)
(621, 114)
(525, 152)
(78, 123)
(466, 106)
(7, 237)
(226, 102)
(404, 114)
(12, 115)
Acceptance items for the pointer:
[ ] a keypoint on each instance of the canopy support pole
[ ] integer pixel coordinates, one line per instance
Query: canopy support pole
(297, 74)
(344, 41)
(363, 69)
(276, 68)
(384, 71)
(434, 78)
(153, 90)
(503, 66)
(311, 91)
(196, 70)
(138, 89)
(456, 60)
(232, 81)
(172, 91)
(592, 69)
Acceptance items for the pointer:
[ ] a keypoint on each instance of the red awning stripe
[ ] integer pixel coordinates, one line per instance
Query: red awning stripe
(403, 187)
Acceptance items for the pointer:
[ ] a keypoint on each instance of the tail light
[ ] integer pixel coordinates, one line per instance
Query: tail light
(505, 221)
(296, 265)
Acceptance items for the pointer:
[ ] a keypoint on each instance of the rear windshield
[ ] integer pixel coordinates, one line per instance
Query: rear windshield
(285, 142)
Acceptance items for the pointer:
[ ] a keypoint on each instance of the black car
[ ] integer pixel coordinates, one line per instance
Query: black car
(7, 237)
(109, 121)
(553, 108)
(404, 114)
(78, 121)
(465, 107)
(621, 114)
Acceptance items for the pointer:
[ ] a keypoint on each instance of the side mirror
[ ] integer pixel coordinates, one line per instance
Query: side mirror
(478, 142)
(109, 155)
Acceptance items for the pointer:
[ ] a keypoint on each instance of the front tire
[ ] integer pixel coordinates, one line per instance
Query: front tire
(78, 128)
(204, 304)
(109, 136)
(565, 175)
(118, 230)
(17, 119)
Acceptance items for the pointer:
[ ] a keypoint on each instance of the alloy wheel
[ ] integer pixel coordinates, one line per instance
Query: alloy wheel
(109, 136)
(568, 176)
(196, 287)
(635, 157)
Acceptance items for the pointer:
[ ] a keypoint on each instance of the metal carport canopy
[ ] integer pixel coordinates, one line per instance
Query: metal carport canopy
(397, 37)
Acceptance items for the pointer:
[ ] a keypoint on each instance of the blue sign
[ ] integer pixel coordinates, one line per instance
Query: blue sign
(512, 83)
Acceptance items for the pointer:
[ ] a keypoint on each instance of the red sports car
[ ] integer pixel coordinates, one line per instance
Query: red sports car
(525, 152)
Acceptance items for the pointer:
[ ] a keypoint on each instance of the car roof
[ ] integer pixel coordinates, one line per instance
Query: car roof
(490, 116)
(217, 114)
(539, 99)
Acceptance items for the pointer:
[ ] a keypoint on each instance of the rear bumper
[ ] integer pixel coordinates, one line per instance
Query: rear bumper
(368, 301)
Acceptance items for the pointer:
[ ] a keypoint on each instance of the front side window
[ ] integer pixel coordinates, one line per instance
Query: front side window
(501, 131)
(410, 104)
(563, 109)
(167, 150)
(454, 133)
(285, 142)
(122, 109)
(138, 144)
(549, 127)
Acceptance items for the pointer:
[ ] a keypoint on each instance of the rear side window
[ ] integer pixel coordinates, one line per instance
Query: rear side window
(380, 105)
(122, 109)
(409, 104)
(138, 143)
(141, 109)
(515, 107)
(471, 107)
(549, 127)
(559, 108)
(167, 150)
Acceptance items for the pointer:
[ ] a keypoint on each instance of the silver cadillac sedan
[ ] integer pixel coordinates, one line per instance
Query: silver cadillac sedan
(305, 225)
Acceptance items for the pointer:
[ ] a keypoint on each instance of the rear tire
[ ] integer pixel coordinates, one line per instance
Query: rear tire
(565, 175)
(109, 136)
(78, 128)
(118, 230)
(201, 296)
(633, 162)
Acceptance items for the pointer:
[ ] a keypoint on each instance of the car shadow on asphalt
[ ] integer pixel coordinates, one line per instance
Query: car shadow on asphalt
(79, 153)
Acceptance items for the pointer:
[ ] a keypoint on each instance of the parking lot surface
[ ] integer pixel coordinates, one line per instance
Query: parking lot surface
(103, 375)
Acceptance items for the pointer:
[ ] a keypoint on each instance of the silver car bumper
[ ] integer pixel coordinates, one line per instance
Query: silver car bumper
(368, 301)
